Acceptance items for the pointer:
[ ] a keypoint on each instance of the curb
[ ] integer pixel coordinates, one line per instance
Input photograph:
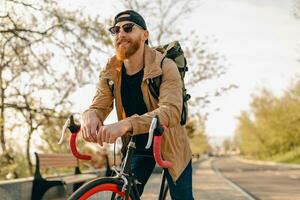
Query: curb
(269, 163)
(234, 185)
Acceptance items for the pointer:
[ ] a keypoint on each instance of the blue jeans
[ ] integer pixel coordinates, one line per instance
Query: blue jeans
(142, 167)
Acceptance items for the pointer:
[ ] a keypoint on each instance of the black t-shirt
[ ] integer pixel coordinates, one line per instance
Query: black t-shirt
(133, 103)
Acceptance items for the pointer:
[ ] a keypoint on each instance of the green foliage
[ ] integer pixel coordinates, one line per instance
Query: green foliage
(50, 135)
(288, 157)
(272, 127)
(16, 168)
(228, 145)
(198, 139)
(199, 144)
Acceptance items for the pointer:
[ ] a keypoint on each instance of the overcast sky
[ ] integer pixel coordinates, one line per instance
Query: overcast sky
(259, 39)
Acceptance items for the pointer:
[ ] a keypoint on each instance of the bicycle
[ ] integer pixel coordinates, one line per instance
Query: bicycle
(123, 185)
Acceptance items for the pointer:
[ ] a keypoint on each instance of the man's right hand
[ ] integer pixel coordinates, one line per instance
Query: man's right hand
(90, 125)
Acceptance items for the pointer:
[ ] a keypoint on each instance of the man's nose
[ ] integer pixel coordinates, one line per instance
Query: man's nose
(121, 32)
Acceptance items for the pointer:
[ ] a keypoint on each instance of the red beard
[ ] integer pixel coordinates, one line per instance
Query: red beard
(126, 48)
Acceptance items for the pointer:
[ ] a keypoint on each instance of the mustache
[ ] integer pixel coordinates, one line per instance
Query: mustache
(119, 41)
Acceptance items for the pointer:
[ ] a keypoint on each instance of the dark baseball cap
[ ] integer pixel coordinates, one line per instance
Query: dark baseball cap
(132, 16)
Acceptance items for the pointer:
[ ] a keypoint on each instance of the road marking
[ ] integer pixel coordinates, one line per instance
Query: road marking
(232, 184)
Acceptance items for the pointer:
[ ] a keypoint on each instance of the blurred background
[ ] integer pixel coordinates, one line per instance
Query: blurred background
(243, 59)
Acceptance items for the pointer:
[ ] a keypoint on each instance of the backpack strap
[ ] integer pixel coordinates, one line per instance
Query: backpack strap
(154, 83)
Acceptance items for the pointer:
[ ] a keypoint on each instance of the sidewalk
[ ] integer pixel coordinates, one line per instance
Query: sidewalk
(207, 185)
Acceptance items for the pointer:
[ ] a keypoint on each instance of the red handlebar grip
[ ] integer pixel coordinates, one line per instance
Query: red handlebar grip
(74, 149)
(157, 153)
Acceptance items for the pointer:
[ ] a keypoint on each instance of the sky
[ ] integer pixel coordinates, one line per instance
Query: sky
(259, 38)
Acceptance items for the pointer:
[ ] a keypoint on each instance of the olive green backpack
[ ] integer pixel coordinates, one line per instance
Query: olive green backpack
(174, 52)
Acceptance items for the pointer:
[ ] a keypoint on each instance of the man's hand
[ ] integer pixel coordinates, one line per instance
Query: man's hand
(110, 133)
(90, 125)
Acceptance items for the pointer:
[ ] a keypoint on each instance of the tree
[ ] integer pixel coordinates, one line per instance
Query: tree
(248, 137)
(272, 126)
(228, 145)
(296, 13)
(296, 8)
(198, 139)
(35, 89)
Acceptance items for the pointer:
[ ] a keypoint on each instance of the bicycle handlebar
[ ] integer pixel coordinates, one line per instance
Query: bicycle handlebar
(155, 129)
(70, 124)
(74, 149)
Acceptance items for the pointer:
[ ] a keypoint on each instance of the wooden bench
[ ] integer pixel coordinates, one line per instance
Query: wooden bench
(54, 161)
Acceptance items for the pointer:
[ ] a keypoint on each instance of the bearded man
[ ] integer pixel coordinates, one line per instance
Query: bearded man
(125, 79)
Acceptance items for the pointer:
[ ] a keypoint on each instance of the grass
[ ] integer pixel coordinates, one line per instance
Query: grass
(292, 157)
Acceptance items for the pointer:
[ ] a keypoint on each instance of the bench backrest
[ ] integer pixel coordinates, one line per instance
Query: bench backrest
(55, 160)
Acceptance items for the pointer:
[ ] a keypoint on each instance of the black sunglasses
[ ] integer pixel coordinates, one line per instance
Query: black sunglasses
(126, 27)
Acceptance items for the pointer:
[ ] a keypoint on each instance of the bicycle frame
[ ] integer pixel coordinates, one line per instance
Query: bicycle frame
(124, 174)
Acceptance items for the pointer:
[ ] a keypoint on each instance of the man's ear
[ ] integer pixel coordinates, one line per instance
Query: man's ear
(146, 35)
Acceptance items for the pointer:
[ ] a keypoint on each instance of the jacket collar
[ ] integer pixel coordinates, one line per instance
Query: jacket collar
(152, 62)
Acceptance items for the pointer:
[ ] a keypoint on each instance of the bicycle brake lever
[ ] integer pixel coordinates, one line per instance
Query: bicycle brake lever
(67, 123)
(151, 132)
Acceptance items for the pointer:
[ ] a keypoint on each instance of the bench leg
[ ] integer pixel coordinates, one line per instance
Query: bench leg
(77, 185)
(40, 187)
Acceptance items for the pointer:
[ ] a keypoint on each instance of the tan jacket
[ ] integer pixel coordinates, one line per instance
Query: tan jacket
(175, 145)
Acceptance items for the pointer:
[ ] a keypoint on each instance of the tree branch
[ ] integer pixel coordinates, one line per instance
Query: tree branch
(25, 4)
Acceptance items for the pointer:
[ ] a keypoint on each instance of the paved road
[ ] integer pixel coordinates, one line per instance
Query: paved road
(207, 185)
(231, 179)
(262, 181)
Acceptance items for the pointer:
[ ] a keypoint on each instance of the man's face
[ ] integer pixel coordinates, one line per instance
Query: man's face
(128, 39)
